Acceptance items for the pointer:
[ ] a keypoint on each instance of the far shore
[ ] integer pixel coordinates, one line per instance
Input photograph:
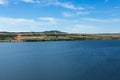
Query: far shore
(53, 36)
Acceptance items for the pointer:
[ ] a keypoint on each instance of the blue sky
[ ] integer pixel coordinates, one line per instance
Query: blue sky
(73, 16)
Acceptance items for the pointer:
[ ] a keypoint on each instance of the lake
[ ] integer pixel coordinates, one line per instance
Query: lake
(60, 60)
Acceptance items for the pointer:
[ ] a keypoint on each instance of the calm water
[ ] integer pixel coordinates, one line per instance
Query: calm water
(66, 60)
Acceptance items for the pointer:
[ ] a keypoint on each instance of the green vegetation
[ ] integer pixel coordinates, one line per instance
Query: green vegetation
(7, 37)
(54, 36)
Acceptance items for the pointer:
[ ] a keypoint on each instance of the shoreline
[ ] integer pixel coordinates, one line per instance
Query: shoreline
(57, 41)
(43, 37)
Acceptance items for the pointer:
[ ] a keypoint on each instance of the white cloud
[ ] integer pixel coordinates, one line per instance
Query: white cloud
(15, 21)
(21, 24)
(67, 14)
(88, 25)
(49, 19)
(80, 28)
(102, 20)
(77, 13)
(3, 2)
(55, 3)
(69, 6)
(82, 13)
(77, 10)
(29, 1)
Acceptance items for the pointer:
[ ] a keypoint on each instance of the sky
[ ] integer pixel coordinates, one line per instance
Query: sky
(73, 16)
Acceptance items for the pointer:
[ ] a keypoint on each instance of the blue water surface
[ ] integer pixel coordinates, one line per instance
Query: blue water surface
(60, 60)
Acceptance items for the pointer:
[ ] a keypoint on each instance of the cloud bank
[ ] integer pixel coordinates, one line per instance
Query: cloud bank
(3, 2)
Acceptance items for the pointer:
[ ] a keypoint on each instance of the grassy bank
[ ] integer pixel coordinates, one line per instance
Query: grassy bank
(36, 36)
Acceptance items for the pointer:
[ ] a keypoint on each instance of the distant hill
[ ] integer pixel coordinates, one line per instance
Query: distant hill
(48, 32)
(54, 32)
